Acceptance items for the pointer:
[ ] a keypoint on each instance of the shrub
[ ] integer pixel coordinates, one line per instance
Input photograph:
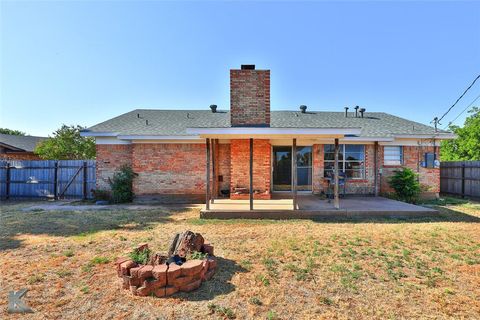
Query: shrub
(405, 184)
(121, 185)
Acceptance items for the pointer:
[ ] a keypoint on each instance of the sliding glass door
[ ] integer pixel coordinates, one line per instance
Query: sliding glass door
(282, 168)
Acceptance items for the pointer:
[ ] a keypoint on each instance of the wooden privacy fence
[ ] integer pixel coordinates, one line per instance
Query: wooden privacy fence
(62, 179)
(460, 178)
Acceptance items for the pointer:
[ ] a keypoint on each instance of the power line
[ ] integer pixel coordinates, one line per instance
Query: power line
(453, 105)
(474, 100)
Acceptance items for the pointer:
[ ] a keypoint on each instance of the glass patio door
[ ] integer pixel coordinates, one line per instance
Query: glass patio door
(282, 168)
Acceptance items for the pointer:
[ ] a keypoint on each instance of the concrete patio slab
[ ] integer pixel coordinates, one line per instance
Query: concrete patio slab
(313, 207)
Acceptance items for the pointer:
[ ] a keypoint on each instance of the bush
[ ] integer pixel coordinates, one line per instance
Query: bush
(121, 185)
(406, 185)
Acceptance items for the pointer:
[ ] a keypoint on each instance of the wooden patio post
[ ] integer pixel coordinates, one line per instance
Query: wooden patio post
(375, 165)
(335, 187)
(294, 172)
(251, 173)
(214, 178)
(207, 187)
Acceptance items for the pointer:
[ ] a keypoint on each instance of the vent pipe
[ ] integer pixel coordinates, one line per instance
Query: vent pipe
(303, 108)
(346, 112)
(362, 110)
(213, 107)
(356, 111)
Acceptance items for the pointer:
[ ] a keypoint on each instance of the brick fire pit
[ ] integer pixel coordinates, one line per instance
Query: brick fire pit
(164, 278)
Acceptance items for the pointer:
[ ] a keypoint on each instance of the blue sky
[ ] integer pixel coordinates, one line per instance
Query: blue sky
(85, 62)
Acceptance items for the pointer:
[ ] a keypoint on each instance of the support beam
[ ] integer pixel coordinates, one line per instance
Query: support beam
(207, 186)
(294, 173)
(375, 165)
(251, 174)
(336, 200)
(214, 172)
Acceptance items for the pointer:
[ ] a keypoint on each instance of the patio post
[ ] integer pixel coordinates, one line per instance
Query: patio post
(375, 164)
(294, 173)
(207, 187)
(251, 173)
(214, 178)
(335, 187)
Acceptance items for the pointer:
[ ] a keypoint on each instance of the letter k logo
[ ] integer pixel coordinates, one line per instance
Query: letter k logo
(15, 305)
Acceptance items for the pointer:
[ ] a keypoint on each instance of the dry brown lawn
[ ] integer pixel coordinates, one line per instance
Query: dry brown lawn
(387, 269)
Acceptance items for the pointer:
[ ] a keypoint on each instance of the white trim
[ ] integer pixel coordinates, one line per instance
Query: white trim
(439, 136)
(97, 134)
(153, 137)
(110, 140)
(255, 131)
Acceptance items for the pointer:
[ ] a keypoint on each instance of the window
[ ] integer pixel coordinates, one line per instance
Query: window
(351, 160)
(392, 155)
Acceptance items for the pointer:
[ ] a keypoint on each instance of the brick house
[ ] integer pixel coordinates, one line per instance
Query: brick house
(168, 148)
(13, 147)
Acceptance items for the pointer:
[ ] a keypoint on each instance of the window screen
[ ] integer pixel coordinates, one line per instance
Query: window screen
(392, 155)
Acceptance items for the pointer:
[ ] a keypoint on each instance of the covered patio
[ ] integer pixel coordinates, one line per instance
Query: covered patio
(314, 207)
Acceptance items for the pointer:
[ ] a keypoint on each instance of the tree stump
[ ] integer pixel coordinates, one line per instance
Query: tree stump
(185, 243)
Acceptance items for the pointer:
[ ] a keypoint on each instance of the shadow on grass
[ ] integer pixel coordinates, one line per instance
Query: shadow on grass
(445, 214)
(74, 223)
(220, 284)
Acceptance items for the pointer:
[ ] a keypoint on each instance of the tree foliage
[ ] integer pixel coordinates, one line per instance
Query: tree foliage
(406, 185)
(67, 144)
(467, 145)
(12, 132)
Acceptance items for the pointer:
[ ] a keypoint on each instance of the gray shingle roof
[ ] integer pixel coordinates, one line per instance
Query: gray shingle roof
(175, 122)
(24, 143)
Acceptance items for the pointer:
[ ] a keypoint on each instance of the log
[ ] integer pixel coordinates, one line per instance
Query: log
(185, 243)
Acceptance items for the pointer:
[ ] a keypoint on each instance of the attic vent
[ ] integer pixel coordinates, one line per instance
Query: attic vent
(346, 112)
(248, 67)
(356, 111)
(303, 108)
(213, 107)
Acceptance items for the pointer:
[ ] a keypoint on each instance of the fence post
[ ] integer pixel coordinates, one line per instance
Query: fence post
(85, 180)
(463, 180)
(7, 182)
(55, 181)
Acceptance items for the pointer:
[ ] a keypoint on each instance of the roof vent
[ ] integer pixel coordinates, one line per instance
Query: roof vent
(248, 67)
(213, 107)
(303, 108)
(346, 112)
(362, 110)
(356, 111)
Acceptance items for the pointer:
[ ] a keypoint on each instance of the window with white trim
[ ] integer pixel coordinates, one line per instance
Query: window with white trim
(392, 155)
(351, 160)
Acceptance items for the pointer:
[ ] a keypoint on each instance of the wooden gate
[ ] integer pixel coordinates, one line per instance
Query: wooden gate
(56, 179)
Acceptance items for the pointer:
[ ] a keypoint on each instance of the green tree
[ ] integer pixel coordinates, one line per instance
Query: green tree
(67, 144)
(467, 145)
(12, 132)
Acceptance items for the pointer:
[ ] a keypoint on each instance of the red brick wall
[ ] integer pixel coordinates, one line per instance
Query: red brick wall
(169, 168)
(110, 157)
(223, 165)
(250, 97)
(240, 160)
(429, 178)
(19, 156)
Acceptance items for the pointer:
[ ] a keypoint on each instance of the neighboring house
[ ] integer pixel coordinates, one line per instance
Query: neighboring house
(167, 148)
(13, 147)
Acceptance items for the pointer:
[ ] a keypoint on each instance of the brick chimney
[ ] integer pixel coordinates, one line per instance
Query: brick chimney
(249, 97)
